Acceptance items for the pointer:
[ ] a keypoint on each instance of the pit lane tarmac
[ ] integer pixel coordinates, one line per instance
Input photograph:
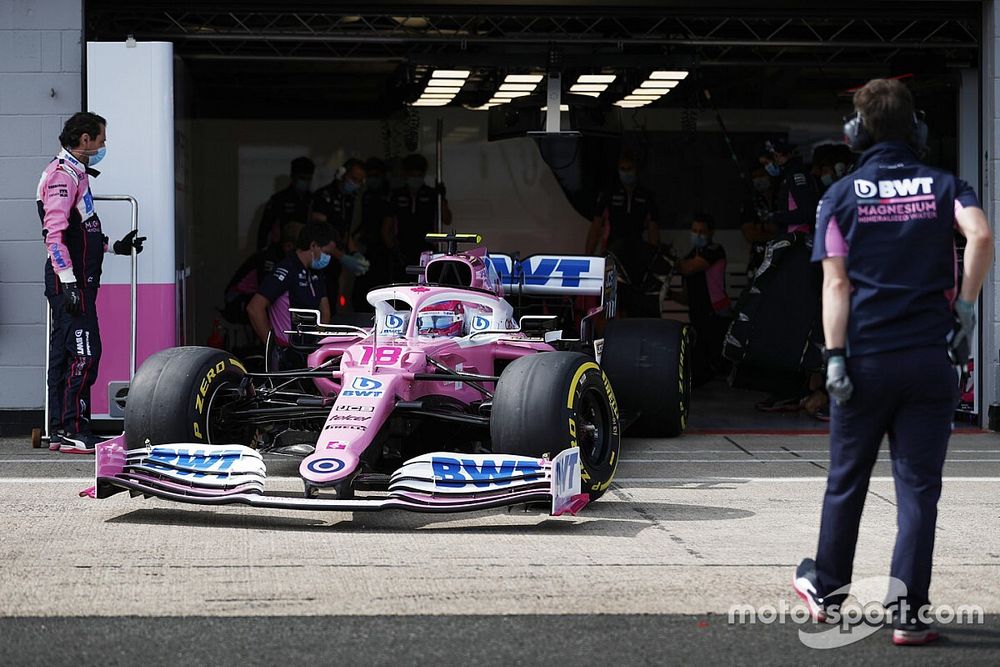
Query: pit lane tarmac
(647, 575)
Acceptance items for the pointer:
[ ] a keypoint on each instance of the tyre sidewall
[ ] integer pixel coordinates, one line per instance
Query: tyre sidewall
(172, 398)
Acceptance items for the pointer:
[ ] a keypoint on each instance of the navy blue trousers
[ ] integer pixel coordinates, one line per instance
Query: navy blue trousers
(911, 395)
(74, 355)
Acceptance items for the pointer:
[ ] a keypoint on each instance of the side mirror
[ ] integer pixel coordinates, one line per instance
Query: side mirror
(537, 326)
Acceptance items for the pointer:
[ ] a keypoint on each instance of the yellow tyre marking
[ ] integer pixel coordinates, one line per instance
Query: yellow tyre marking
(576, 378)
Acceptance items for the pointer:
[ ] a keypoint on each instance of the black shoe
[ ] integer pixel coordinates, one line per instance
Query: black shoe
(55, 442)
(79, 443)
(913, 634)
(806, 585)
(911, 631)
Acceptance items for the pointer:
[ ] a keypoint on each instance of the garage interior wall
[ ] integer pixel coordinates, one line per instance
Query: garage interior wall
(503, 190)
(40, 86)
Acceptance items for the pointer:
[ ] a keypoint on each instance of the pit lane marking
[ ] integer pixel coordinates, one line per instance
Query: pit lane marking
(658, 480)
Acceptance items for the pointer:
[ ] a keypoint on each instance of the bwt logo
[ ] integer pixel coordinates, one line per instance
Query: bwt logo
(195, 462)
(571, 270)
(565, 471)
(393, 323)
(458, 472)
(365, 388)
(479, 323)
(903, 187)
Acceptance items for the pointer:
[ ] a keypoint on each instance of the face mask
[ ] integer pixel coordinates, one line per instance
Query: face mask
(350, 187)
(322, 262)
(761, 184)
(627, 177)
(773, 169)
(826, 179)
(698, 241)
(302, 185)
(374, 182)
(98, 156)
(839, 169)
(414, 182)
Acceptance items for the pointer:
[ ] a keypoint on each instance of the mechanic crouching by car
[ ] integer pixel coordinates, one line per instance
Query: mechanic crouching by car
(894, 331)
(296, 282)
(71, 230)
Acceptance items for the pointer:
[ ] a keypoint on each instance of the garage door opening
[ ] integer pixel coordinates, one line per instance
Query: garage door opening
(256, 86)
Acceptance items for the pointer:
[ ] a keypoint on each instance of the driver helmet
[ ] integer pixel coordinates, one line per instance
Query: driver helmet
(445, 318)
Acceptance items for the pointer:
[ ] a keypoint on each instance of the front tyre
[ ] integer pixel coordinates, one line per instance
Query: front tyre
(551, 401)
(178, 395)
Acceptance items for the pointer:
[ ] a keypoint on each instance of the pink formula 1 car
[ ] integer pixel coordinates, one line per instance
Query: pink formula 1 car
(450, 400)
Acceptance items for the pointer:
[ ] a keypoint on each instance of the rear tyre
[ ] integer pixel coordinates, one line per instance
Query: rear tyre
(551, 401)
(649, 365)
(178, 394)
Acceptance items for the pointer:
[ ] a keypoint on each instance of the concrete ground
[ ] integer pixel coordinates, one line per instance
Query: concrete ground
(647, 575)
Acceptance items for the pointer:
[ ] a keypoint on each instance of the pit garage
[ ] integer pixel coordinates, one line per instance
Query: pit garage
(691, 91)
(208, 102)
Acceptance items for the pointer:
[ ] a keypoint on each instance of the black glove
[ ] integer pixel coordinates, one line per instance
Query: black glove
(72, 299)
(441, 190)
(127, 242)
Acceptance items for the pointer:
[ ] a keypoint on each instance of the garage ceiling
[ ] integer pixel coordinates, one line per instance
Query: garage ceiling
(323, 59)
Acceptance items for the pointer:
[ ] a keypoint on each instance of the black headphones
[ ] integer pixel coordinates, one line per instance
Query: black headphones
(858, 139)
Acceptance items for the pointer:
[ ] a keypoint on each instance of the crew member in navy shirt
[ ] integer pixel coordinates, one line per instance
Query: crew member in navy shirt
(296, 282)
(885, 236)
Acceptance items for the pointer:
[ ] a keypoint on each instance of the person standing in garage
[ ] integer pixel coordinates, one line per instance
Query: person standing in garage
(412, 215)
(71, 231)
(704, 272)
(335, 204)
(288, 205)
(893, 329)
(627, 211)
(797, 191)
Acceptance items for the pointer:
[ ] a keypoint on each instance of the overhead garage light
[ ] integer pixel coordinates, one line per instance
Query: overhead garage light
(517, 87)
(646, 93)
(676, 75)
(596, 78)
(450, 74)
(588, 87)
(445, 83)
(430, 103)
(509, 94)
(484, 107)
(659, 85)
(582, 92)
(523, 78)
(630, 105)
(437, 96)
(442, 89)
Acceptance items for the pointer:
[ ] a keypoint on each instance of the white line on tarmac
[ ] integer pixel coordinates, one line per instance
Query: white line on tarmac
(745, 459)
(774, 450)
(659, 480)
(781, 480)
(795, 460)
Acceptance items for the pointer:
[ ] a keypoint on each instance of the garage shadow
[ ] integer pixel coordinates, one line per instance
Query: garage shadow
(395, 521)
(669, 512)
